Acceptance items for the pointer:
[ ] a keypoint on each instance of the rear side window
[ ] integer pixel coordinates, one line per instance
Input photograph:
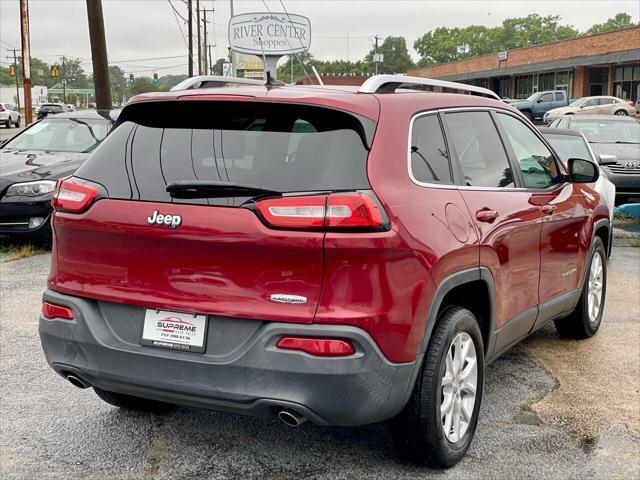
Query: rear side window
(281, 147)
(559, 96)
(479, 150)
(428, 151)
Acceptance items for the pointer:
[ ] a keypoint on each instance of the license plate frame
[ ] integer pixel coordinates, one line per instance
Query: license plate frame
(185, 332)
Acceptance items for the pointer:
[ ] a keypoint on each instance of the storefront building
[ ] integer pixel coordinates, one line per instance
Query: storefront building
(603, 64)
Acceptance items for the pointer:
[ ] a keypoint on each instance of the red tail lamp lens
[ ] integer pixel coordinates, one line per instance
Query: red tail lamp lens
(322, 347)
(317, 212)
(51, 310)
(73, 196)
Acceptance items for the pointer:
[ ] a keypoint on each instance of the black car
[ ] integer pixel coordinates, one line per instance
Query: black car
(612, 135)
(32, 161)
(50, 109)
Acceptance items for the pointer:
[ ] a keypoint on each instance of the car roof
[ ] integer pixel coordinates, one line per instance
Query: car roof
(560, 131)
(90, 115)
(343, 97)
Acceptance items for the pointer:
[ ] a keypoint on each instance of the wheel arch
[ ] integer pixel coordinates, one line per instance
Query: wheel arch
(602, 229)
(473, 289)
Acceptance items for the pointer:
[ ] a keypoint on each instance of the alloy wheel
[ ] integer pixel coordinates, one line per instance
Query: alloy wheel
(595, 287)
(459, 384)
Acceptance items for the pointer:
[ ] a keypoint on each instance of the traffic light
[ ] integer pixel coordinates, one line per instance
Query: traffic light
(55, 71)
(131, 80)
(12, 70)
(155, 78)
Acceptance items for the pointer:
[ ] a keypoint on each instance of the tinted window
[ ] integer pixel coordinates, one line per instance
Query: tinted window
(590, 103)
(559, 96)
(568, 146)
(479, 149)
(51, 108)
(605, 101)
(536, 162)
(429, 156)
(280, 147)
(547, 97)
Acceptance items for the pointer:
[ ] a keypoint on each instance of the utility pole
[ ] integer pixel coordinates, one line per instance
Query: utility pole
(64, 82)
(26, 61)
(190, 21)
(199, 39)
(15, 62)
(99, 55)
(205, 21)
(375, 57)
(233, 57)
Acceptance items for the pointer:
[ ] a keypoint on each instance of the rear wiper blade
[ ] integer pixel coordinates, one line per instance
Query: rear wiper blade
(204, 189)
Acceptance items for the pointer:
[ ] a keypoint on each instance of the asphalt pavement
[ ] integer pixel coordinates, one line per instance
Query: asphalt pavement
(528, 427)
(7, 133)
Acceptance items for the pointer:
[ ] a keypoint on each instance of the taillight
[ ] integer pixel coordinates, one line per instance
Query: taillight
(2, 109)
(73, 196)
(631, 104)
(356, 211)
(51, 310)
(322, 347)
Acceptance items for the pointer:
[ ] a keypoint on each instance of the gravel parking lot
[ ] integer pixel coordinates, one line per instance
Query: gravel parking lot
(552, 409)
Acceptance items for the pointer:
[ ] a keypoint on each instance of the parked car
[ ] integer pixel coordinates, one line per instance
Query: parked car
(9, 115)
(593, 106)
(539, 103)
(71, 107)
(332, 254)
(33, 160)
(47, 109)
(572, 144)
(616, 136)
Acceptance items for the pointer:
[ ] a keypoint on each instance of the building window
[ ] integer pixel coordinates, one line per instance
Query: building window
(626, 81)
(524, 86)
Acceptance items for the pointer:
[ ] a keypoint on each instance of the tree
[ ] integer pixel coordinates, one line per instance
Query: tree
(449, 44)
(396, 56)
(142, 85)
(118, 82)
(620, 21)
(5, 78)
(218, 66)
(165, 82)
(74, 74)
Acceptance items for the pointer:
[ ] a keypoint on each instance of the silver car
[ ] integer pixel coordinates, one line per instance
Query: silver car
(9, 115)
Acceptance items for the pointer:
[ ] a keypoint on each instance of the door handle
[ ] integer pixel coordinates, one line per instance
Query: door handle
(548, 209)
(486, 215)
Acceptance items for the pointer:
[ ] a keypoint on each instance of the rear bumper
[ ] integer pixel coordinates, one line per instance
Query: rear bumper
(241, 370)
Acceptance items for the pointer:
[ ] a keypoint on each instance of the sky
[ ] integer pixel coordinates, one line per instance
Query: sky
(140, 31)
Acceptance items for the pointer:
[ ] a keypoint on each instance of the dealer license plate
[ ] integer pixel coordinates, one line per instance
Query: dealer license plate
(179, 331)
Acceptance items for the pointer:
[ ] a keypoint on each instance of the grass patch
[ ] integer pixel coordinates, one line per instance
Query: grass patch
(16, 252)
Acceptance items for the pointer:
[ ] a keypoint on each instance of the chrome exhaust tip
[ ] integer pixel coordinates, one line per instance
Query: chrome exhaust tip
(291, 419)
(77, 382)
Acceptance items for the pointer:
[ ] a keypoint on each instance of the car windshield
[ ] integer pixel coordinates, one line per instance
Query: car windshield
(608, 131)
(61, 135)
(52, 108)
(577, 103)
(569, 146)
(532, 97)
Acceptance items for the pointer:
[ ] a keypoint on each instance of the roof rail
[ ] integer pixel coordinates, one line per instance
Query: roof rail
(208, 81)
(389, 83)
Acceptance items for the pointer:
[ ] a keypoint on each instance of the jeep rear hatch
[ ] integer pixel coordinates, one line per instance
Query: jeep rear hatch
(215, 207)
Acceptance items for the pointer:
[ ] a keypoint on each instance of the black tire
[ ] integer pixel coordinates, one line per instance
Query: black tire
(578, 324)
(621, 113)
(8, 123)
(418, 431)
(128, 402)
(18, 123)
(528, 114)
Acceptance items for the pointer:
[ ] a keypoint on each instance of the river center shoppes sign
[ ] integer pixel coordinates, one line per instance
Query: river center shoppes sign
(269, 35)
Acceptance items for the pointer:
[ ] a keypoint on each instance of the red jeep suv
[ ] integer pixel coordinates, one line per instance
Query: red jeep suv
(332, 254)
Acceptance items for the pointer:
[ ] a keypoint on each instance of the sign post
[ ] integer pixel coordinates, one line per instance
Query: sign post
(269, 36)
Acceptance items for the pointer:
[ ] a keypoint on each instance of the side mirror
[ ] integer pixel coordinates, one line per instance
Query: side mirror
(604, 159)
(581, 106)
(539, 100)
(582, 171)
